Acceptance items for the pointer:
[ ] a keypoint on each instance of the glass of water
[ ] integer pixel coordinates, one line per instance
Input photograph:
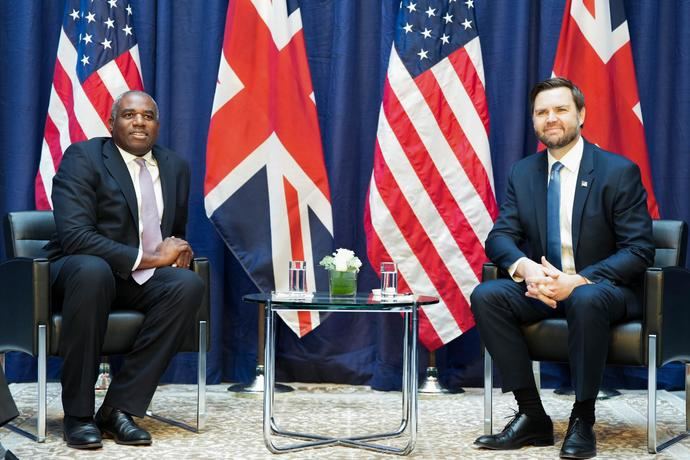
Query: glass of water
(297, 277)
(389, 279)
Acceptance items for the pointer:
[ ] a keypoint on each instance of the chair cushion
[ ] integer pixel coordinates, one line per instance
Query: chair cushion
(547, 340)
(123, 328)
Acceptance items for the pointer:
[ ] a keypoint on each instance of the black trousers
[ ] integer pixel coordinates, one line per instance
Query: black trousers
(86, 290)
(8, 410)
(500, 309)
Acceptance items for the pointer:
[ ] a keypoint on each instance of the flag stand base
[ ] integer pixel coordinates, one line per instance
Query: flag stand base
(257, 385)
(431, 385)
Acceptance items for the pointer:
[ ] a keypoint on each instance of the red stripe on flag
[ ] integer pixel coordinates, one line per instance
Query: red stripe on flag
(52, 138)
(294, 221)
(464, 67)
(130, 71)
(99, 96)
(63, 88)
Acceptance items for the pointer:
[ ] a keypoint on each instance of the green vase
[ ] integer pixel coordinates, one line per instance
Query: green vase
(342, 283)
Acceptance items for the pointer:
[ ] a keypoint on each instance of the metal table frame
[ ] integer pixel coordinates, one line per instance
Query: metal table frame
(408, 422)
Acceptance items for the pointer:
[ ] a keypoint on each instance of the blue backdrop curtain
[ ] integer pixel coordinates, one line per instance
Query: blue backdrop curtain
(348, 43)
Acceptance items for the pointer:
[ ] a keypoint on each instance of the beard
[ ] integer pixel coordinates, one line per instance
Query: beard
(566, 138)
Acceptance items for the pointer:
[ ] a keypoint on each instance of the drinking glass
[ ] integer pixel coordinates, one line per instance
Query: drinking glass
(297, 277)
(389, 279)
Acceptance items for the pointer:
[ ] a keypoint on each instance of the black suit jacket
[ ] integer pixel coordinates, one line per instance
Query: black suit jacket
(611, 227)
(95, 204)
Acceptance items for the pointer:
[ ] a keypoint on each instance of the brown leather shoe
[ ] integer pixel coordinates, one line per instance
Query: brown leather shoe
(519, 432)
(119, 425)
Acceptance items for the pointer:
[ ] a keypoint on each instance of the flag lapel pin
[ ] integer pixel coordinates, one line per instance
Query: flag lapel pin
(583, 183)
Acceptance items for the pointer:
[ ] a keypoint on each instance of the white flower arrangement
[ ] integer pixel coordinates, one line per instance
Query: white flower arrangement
(342, 260)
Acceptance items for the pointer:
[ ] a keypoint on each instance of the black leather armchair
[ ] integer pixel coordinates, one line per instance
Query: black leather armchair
(28, 324)
(660, 337)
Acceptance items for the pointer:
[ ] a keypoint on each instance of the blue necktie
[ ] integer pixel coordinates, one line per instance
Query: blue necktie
(553, 218)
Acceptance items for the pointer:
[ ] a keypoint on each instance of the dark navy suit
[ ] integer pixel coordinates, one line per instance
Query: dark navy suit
(92, 256)
(612, 247)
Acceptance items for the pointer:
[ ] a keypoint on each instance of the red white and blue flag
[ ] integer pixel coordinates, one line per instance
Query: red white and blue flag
(431, 199)
(97, 60)
(266, 189)
(594, 52)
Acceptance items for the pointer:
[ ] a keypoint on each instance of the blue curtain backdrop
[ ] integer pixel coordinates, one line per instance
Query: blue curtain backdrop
(348, 42)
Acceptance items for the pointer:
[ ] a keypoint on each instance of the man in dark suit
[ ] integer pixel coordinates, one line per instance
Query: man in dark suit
(8, 411)
(575, 236)
(120, 208)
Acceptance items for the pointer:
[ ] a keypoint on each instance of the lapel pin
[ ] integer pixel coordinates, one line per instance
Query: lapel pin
(583, 183)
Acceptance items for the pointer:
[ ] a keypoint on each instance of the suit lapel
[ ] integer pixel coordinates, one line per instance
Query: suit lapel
(168, 189)
(539, 194)
(585, 177)
(118, 169)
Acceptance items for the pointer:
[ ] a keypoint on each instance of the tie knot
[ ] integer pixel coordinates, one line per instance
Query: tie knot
(142, 163)
(556, 168)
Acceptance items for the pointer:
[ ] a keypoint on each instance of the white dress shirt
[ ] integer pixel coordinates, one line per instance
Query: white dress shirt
(133, 168)
(571, 166)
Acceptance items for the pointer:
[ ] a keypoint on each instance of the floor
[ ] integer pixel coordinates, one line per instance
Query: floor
(448, 424)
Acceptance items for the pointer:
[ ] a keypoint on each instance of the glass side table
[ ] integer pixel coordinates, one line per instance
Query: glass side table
(407, 305)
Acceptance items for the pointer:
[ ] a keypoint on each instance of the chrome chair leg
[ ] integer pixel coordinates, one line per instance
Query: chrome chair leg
(41, 386)
(652, 446)
(651, 394)
(201, 377)
(200, 388)
(488, 392)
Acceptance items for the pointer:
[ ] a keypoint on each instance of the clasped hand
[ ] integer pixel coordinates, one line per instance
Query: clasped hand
(176, 252)
(547, 283)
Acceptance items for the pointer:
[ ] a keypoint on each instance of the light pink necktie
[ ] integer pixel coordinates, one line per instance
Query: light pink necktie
(151, 228)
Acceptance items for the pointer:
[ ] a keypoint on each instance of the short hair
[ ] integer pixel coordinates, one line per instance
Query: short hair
(557, 82)
(116, 103)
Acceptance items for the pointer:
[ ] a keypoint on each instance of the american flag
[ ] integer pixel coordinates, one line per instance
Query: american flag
(594, 52)
(266, 189)
(431, 199)
(97, 60)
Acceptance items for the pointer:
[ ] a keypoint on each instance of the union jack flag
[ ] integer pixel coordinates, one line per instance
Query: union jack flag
(431, 198)
(266, 189)
(594, 52)
(97, 60)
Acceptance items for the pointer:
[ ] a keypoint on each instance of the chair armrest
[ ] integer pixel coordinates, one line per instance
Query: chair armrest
(25, 303)
(201, 267)
(666, 314)
(489, 271)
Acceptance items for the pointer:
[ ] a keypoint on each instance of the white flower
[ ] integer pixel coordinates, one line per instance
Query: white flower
(342, 260)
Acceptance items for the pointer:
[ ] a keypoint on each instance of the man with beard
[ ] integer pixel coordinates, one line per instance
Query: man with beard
(575, 236)
(120, 207)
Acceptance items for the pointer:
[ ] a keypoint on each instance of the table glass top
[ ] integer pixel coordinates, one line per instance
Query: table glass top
(323, 301)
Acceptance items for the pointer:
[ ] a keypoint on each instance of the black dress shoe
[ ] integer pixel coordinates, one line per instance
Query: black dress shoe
(81, 432)
(119, 425)
(519, 432)
(10, 456)
(580, 441)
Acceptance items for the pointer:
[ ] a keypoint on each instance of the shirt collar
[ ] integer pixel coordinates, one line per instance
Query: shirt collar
(129, 158)
(571, 160)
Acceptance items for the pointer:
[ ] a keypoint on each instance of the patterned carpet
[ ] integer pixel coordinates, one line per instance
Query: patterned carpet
(448, 424)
